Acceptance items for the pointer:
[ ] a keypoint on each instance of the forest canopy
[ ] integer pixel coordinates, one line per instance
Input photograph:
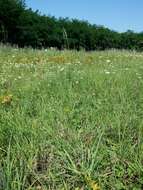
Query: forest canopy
(24, 27)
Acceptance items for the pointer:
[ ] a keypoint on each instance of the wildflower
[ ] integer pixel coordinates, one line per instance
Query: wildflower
(6, 99)
(108, 61)
(39, 187)
(107, 72)
(19, 77)
(91, 183)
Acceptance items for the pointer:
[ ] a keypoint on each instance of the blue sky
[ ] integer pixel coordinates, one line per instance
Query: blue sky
(118, 15)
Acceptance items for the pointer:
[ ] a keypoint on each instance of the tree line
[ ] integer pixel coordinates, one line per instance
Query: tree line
(25, 27)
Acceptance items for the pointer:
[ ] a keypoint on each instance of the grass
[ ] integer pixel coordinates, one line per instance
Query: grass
(71, 120)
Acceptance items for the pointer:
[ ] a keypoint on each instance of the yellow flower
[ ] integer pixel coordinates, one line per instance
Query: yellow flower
(91, 183)
(6, 99)
(94, 186)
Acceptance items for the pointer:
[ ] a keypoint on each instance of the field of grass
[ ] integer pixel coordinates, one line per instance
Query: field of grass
(71, 120)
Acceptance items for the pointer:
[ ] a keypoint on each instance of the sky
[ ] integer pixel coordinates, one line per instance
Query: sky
(118, 15)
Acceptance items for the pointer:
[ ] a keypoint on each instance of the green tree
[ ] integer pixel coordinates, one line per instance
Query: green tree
(10, 11)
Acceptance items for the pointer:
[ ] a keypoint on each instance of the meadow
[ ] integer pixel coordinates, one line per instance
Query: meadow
(71, 120)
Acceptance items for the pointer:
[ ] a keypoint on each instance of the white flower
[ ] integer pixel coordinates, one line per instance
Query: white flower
(108, 61)
(77, 82)
(107, 72)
